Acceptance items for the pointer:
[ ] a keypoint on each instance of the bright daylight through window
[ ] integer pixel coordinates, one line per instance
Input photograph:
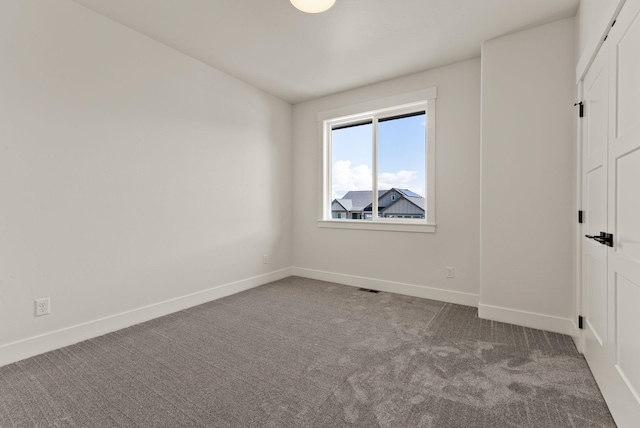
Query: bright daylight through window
(378, 165)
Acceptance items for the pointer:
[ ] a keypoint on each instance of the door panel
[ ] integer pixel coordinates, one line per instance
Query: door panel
(595, 190)
(624, 213)
(628, 295)
(596, 320)
(597, 105)
(595, 253)
(595, 203)
(628, 204)
(629, 79)
(611, 339)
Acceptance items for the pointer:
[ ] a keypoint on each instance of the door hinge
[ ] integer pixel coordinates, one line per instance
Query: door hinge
(580, 322)
(581, 104)
(580, 216)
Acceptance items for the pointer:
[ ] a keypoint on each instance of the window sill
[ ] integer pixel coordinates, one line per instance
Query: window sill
(386, 226)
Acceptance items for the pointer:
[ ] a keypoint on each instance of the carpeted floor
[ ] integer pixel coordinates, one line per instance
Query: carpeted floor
(304, 353)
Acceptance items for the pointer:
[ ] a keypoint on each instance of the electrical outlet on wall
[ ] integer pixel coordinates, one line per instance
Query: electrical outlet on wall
(449, 272)
(43, 306)
(265, 259)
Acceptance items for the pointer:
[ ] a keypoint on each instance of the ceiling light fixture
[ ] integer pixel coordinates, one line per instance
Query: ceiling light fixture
(312, 6)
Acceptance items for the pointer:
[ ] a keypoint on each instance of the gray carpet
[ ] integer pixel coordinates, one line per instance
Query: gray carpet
(304, 353)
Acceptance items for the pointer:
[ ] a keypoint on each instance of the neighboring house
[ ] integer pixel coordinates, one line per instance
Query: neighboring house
(392, 203)
(352, 204)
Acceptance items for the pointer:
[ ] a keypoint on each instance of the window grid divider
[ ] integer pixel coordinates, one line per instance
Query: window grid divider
(374, 178)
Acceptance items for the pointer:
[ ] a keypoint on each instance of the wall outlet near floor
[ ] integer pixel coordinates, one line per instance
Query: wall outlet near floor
(449, 272)
(43, 307)
(265, 259)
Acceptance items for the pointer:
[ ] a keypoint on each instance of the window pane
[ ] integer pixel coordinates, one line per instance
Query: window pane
(401, 167)
(351, 171)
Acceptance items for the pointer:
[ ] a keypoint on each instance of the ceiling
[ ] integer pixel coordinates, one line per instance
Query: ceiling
(298, 56)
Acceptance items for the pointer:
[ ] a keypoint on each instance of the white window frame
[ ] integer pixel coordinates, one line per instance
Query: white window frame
(405, 103)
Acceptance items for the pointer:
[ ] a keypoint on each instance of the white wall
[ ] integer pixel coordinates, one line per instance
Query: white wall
(593, 22)
(592, 17)
(400, 261)
(130, 174)
(528, 177)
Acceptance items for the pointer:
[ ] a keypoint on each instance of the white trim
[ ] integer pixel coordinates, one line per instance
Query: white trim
(457, 297)
(430, 173)
(593, 46)
(375, 193)
(577, 254)
(29, 347)
(528, 319)
(36, 345)
(379, 225)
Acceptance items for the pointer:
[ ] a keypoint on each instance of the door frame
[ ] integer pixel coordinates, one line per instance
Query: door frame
(584, 64)
(579, 338)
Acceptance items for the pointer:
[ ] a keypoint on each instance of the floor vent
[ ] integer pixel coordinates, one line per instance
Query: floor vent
(369, 290)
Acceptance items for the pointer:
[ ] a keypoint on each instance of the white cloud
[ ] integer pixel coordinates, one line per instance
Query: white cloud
(400, 179)
(346, 178)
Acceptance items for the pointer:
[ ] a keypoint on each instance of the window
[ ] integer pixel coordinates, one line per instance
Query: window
(379, 164)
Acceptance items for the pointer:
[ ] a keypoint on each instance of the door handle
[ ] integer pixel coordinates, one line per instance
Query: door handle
(604, 238)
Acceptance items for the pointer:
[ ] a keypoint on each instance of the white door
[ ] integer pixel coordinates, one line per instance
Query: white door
(611, 276)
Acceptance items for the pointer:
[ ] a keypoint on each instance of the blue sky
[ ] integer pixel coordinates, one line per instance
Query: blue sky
(401, 155)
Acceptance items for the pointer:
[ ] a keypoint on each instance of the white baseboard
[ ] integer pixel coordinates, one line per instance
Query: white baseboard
(449, 296)
(32, 346)
(528, 319)
(29, 347)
